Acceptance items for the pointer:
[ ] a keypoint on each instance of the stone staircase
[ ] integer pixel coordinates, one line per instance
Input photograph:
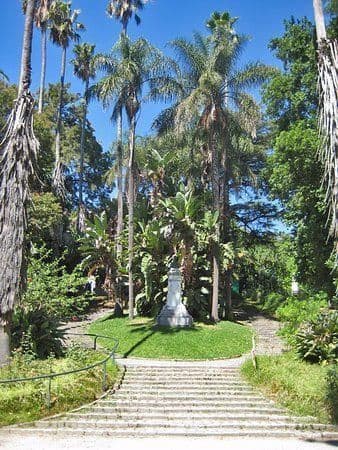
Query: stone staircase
(182, 399)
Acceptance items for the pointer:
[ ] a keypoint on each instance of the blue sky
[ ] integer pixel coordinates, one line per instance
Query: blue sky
(162, 21)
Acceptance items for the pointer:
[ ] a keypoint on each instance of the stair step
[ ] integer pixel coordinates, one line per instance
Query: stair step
(200, 424)
(151, 432)
(93, 416)
(189, 402)
(188, 409)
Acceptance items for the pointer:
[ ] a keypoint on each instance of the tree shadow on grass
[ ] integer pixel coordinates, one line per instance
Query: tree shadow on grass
(153, 329)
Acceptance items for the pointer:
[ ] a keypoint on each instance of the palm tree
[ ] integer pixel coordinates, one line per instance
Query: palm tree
(328, 113)
(84, 69)
(211, 85)
(18, 152)
(41, 21)
(122, 10)
(63, 30)
(130, 68)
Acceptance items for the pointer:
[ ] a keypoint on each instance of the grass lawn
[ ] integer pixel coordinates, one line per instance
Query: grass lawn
(305, 389)
(24, 402)
(141, 338)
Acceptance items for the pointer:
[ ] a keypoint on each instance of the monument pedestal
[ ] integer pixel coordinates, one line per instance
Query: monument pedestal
(174, 313)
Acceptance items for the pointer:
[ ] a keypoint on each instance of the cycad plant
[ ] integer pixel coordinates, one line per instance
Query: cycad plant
(64, 29)
(84, 69)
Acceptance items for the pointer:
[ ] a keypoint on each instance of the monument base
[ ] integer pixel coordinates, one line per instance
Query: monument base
(174, 317)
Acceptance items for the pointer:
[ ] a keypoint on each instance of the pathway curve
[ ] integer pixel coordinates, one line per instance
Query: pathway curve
(186, 399)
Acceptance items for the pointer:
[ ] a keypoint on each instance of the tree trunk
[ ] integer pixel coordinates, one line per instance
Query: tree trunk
(225, 231)
(43, 66)
(319, 19)
(26, 69)
(131, 199)
(119, 226)
(58, 179)
(18, 152)
(5, 339)
(80, 212)
(215, 248)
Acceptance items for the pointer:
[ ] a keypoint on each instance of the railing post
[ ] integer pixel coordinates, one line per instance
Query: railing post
(104, 376)
(49, 388)
(95, 343)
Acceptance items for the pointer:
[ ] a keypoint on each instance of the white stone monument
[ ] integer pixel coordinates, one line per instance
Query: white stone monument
(174, 313)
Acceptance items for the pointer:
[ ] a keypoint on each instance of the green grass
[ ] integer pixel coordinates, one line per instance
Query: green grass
(141, 338)
(301, 387)
(24, 402)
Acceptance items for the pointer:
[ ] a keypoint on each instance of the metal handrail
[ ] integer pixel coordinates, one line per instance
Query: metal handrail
(52, 375)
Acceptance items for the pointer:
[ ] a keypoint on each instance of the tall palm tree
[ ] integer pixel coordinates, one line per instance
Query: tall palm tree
(84, 69)
(122, 10)
(41, 21)
(328, 113)
(131, 68)
(18, 152)
(63, 30)
(213, 95)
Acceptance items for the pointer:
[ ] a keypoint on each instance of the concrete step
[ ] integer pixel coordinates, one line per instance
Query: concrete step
(191, 382)
(183, 424)
(174, 416)
(189, 402)
(164, 409)
(130, 388)
(168, 395)
(178, 432)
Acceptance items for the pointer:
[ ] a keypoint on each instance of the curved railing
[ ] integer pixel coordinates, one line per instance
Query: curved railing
(52, 375)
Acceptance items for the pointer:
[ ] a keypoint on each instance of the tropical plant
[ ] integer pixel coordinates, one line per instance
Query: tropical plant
(64, 29)
(213, 100)
(98, 247)
(18, 151)
(317, 339)
(84, 69)
(130, 68)
(124, 10)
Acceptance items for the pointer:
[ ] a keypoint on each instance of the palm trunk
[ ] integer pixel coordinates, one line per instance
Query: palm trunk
(58, 180)
(80, 211)
(225, 231)
(215, 248)
(18, 153)
(119, 226)
(131, 198)
(43, 66)
(328, 114)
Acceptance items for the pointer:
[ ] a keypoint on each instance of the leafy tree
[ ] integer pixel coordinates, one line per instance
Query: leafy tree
(124, 10)
(18, 151)
(291, 101)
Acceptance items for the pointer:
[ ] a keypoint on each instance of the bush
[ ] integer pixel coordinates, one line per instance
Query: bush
(297, 310)
(317, 340)
(272, 302)
(332, 392)
(36, 332)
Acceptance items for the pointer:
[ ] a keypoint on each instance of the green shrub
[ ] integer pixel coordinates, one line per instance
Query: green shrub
(36, 332)
(317, 340)
(271, 302)
(297, 310)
